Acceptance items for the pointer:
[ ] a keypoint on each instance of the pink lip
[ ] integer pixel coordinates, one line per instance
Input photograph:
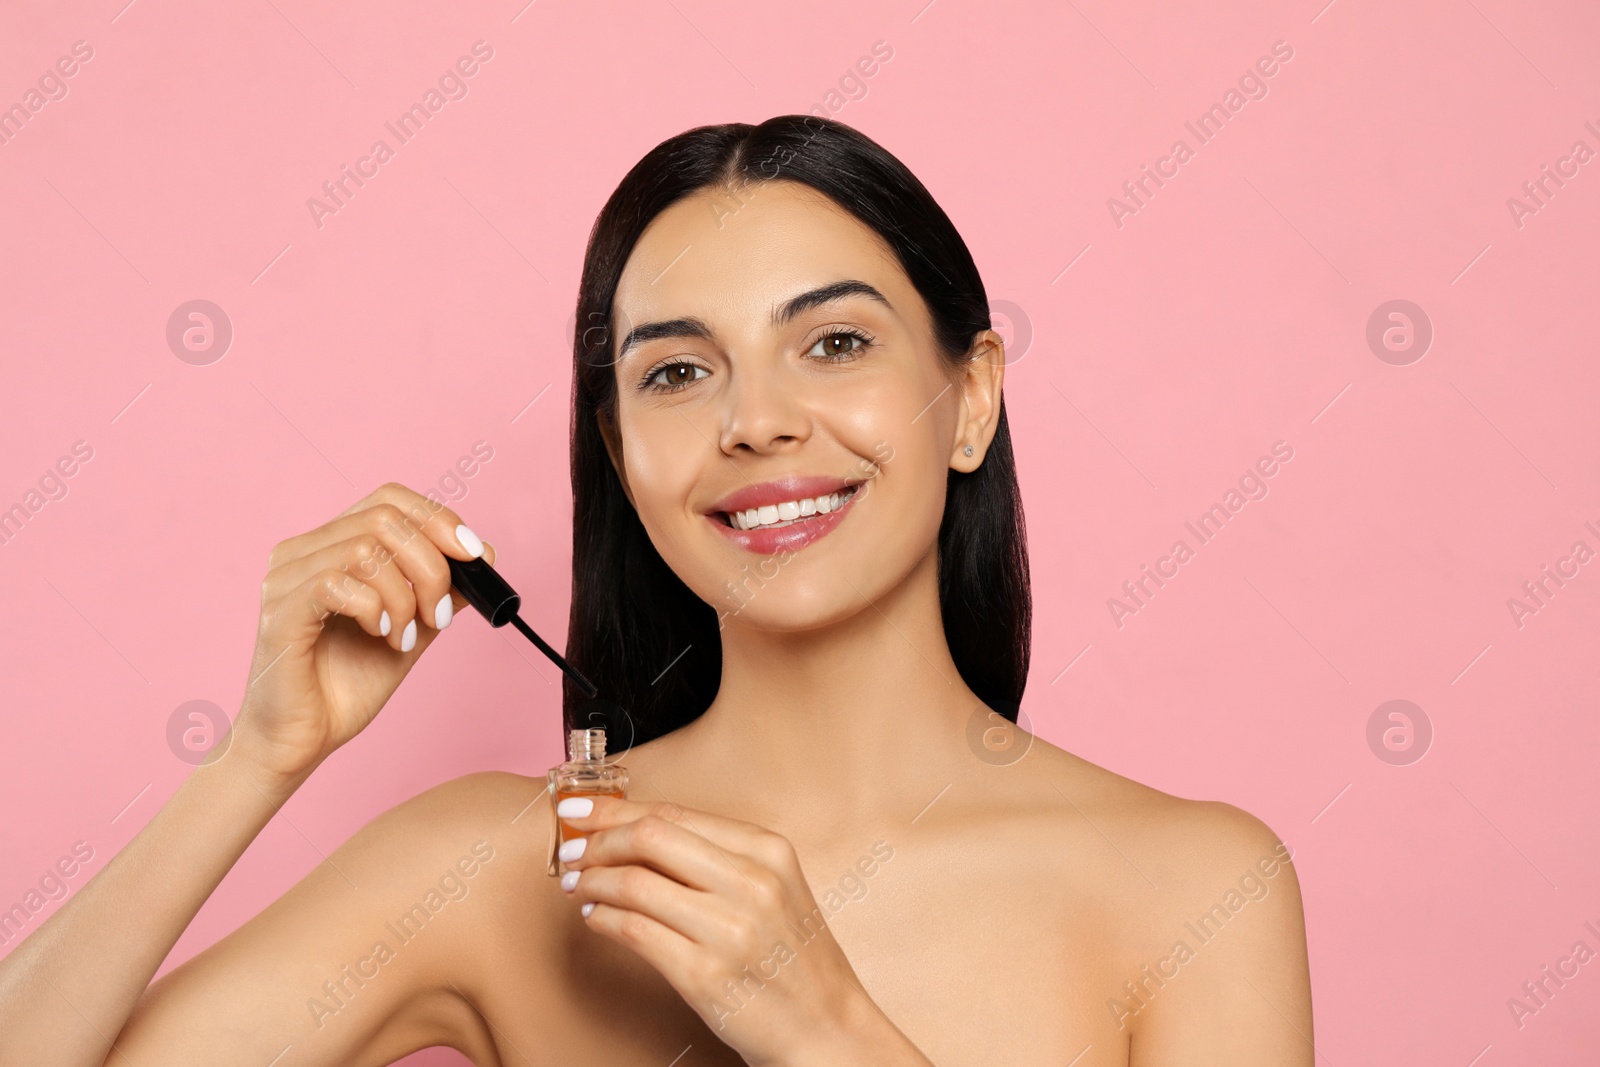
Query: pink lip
(794, 487)
(796, 535)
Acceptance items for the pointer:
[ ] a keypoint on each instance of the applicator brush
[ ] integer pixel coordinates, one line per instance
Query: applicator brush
(496, 601)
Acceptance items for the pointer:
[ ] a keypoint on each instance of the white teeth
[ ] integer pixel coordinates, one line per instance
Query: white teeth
(789, 511)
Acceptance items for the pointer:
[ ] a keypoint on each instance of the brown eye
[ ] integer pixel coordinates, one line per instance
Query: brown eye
(674, 376)
(839, 345)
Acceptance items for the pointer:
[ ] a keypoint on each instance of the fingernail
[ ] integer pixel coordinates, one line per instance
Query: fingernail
(469, 541)
(587, 908)
(408, 639)
(384, 625)
(571, 850)
(569, 881)
(442, 612)
(574, 807)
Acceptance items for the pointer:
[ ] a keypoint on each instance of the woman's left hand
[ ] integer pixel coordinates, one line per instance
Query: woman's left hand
(720, 907)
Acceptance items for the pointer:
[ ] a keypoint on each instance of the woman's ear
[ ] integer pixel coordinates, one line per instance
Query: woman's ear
(608, 433)
(979, 379)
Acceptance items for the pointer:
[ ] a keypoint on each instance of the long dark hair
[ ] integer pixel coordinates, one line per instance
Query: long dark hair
(632, 618)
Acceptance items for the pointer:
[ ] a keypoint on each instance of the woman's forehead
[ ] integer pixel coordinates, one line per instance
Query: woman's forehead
(710, 256)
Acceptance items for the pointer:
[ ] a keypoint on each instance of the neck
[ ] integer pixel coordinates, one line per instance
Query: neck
(862, 718)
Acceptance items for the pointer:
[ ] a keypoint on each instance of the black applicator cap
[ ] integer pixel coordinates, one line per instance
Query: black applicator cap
(484, 589)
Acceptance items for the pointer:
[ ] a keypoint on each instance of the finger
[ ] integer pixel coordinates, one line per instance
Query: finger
(688, 913)
(657, 944)
(731, 835)
(422, 559)
(369, 558)
(384, 551)
(671, 848)
(441, 525)
(387, 551)
(328, 592)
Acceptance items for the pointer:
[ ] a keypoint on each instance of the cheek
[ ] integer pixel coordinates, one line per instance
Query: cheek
(903, 423)
(664, 456)
(905, 429)
(910, 491)
(885, 406)
(661, 452)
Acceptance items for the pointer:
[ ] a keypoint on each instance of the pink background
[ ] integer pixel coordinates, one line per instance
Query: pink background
(1166, 355)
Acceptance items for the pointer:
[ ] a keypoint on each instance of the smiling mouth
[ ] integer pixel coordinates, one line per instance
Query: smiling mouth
(787, 513)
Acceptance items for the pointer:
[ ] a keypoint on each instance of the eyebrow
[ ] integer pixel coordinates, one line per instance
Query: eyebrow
(783, 313)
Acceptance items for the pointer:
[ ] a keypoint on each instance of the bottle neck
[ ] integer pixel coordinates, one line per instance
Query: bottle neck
(587, 744)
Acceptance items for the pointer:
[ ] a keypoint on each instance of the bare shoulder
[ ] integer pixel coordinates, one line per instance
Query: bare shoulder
(372, 953)
(499, 806)
(463, 837)
(474, 846)
(1188, 842)
(1210, 959)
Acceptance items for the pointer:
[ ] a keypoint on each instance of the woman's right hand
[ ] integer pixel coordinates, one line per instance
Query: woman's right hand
(323, 667)
(346, 609)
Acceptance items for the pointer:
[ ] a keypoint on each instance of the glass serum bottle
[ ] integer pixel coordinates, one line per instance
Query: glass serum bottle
(586, 774)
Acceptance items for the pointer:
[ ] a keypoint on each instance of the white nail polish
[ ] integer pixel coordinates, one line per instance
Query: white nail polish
(587, 908)
(442, 612)
(571, 850)
(469, 541)
(569, 881)
(384, 625)
(574, 807)
(408, 639)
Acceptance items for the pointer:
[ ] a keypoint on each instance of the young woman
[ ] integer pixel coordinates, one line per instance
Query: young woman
(799, 579)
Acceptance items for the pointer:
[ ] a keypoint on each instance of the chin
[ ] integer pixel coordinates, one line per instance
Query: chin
(793, 611)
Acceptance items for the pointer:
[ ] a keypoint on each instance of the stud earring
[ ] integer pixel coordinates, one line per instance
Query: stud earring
(967, 450)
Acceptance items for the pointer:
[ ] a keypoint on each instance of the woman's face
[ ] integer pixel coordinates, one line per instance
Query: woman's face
(786, 452)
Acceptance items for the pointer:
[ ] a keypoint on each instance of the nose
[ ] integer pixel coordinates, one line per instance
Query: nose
(764, 413)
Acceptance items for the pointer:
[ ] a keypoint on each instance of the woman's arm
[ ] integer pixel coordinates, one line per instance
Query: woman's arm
(1232, 984)
(375, 954)
(339, 630)
(363, 961)
(65, 991)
